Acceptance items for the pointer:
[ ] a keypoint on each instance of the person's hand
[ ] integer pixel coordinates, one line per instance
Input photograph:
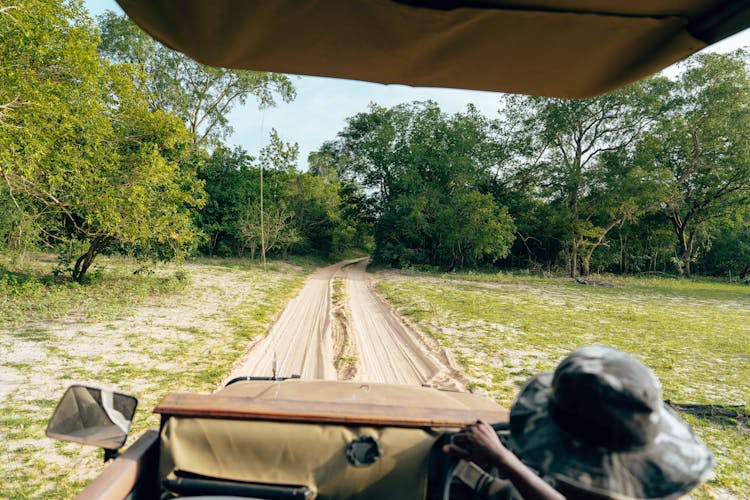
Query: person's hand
(478, 442)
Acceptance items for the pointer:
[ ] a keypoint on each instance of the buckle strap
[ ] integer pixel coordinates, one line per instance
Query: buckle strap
(474, 476)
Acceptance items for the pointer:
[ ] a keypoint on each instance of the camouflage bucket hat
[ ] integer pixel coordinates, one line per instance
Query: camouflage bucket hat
(598, 424)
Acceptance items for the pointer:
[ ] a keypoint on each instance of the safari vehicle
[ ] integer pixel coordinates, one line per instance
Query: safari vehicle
(276, 439)
(290, 438)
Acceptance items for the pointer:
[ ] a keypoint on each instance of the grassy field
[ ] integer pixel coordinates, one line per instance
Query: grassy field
(694, 334)
(181, 328)
(176, 329)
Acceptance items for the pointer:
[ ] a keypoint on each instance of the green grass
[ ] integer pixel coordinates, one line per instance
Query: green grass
(345, 360)
(34, 293)
(92, 333)
(695, 334)
(307, 263)
(338, 294)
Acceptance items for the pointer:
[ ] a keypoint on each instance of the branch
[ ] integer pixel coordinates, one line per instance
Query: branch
(207, 84)
(5, 108)
(724, 190)
(21, 211)
(48, 199)
(560, 145)
(221, 111)
(10, 192)
(218, 100)
(5, 11)
(626, 143)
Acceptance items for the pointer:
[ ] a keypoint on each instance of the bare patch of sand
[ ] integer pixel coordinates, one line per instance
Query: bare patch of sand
(163, 340)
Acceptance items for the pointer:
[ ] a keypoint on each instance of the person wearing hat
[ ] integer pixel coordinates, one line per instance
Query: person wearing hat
(595, 428)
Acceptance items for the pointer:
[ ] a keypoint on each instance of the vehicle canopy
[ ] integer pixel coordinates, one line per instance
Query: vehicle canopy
(561, 48)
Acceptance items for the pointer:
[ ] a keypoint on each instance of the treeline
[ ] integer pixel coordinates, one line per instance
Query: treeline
(303, 213)
(109, 142)
(651, 178)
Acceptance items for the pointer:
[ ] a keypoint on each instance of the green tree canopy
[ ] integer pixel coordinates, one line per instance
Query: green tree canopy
(142, 193)
(231, 183)
(427, 175)
(703, 145)
(578, 152)
(82, 157)
(202, 96)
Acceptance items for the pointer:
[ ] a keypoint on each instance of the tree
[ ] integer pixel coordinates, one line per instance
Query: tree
(313, 203)
(729, 252)
(143, 195)
(200, 95)
(703, 144)
(278, 232)
(82, 157)
(231, 183)
(317, 211)
(645, 245)
(428, 177)
(355, 218)
(623, 189)
(369, 146)
(57, 127)
(566, 144)
(307, 203)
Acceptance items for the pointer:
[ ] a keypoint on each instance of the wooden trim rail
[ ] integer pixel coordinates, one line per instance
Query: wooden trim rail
(213, 406)
(136, 469)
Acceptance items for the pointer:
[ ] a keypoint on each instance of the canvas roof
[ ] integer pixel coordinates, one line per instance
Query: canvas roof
(565, 48)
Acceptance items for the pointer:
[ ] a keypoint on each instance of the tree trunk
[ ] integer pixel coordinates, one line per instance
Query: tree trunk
(585, 265)
(214, 242)
(685, 263)
(587, 256)
(529, 253)
(686, 244)
(83, 262)
(575, 241)
(686, 255)
(573, 256)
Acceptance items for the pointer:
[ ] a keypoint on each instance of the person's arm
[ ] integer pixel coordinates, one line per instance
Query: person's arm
(479, 443)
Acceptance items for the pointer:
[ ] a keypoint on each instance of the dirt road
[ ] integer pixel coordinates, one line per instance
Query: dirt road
(384, 348)
(300, 341)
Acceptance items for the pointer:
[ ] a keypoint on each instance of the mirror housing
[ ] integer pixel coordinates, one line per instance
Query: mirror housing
(97, 417)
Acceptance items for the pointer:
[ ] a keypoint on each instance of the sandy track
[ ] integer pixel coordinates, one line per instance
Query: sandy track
(300, 341)
(389, 350)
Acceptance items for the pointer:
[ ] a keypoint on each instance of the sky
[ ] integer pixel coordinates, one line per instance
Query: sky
(323, 104)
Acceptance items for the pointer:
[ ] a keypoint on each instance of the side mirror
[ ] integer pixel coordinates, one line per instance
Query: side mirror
(96, 417)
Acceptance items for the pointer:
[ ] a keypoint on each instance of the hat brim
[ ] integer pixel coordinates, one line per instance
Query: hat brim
(671, 465)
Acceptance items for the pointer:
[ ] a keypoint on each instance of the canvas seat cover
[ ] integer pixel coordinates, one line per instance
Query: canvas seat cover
(300, 454)
(306, 452)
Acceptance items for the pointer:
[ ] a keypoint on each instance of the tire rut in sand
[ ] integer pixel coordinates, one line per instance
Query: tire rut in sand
(391, 350)
(300, 341)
